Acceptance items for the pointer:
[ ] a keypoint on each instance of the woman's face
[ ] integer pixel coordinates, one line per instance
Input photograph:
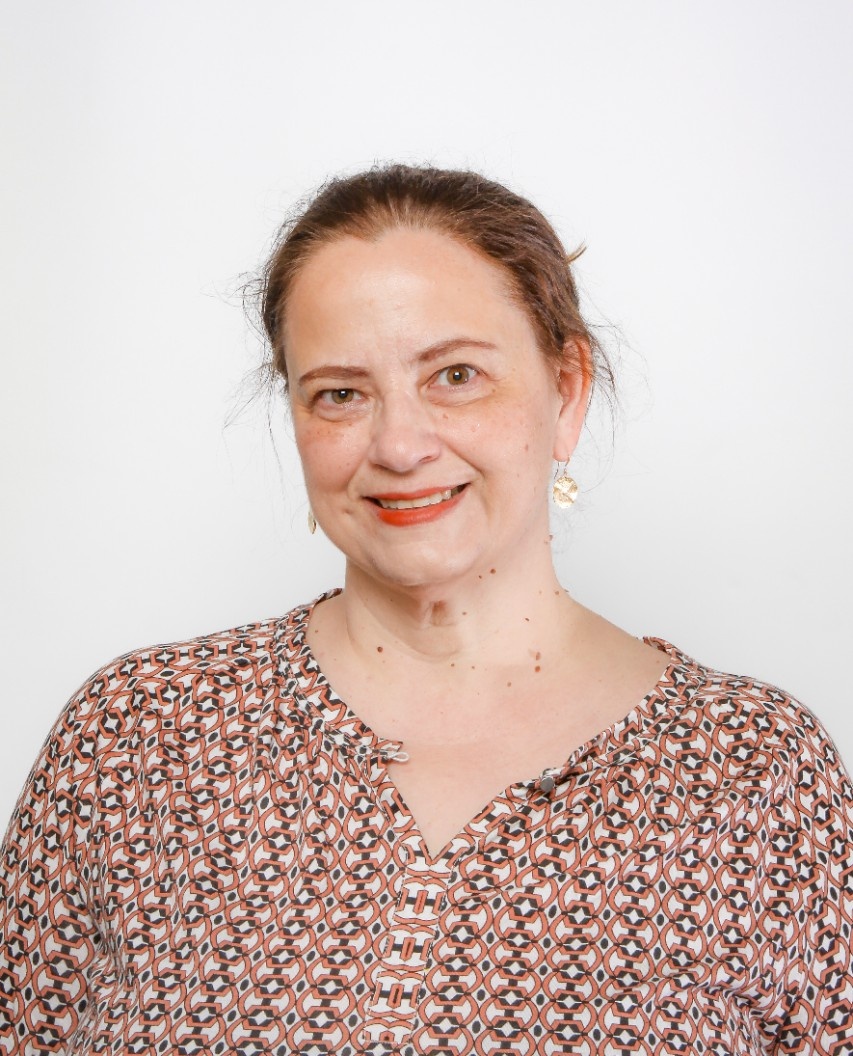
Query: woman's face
(425, 415)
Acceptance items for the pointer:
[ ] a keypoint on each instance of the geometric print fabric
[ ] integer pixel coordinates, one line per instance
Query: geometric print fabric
(211, 857)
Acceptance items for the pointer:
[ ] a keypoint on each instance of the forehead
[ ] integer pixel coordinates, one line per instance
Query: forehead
(406, 281)
(404, 248)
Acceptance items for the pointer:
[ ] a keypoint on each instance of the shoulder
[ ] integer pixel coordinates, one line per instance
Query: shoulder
(171, 692)
(735, 703)
(151, 723)
(141, 718)
(169, 672)
(751, 730)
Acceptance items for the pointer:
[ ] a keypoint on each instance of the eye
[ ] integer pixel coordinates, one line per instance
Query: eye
(458, 374)
(339, 397)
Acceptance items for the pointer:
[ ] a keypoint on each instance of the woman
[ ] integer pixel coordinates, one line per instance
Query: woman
(427, 813)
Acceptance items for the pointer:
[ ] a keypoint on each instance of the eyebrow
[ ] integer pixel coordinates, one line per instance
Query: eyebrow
(426, 355)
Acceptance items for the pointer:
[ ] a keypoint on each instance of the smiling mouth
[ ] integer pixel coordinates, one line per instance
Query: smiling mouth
(419, 501)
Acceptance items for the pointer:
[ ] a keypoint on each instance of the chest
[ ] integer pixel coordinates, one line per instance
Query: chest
(316, 917)
(452, 756)
(444, 786)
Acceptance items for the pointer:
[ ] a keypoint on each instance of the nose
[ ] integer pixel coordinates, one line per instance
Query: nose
(404, 434)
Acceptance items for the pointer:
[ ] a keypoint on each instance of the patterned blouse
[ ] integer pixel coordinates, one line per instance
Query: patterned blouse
(211, 858)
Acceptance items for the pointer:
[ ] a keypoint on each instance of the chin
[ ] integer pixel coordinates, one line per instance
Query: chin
(419, 574)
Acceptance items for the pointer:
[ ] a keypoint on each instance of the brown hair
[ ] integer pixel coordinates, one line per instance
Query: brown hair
(477, 212)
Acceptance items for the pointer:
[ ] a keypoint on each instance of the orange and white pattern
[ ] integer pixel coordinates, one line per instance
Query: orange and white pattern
(210, 858)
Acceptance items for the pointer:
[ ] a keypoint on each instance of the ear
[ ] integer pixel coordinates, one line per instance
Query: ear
(574, 383)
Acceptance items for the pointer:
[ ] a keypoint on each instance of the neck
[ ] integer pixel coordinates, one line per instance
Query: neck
(492, 617)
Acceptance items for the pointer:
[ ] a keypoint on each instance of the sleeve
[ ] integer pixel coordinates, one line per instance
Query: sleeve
(819, 1019)
(48, 932)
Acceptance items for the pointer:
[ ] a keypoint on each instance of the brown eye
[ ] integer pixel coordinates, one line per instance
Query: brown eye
(459, 374)
(329, 400)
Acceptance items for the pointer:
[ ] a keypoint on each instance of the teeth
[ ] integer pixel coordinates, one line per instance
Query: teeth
(424, 500)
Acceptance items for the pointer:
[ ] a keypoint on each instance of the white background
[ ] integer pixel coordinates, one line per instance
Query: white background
(701, 150)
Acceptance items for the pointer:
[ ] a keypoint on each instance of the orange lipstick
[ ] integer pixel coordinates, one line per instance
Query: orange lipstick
(402, 509)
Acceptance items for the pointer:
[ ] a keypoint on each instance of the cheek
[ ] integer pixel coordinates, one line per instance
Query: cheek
(328, 451)
(522, 424)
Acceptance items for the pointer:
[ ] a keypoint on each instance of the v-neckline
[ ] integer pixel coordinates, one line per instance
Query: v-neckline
(307, 681)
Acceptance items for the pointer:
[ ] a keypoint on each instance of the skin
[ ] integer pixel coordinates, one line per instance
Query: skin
(413, 371)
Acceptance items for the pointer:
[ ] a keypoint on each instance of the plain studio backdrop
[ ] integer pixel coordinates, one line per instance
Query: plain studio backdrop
(702, 151)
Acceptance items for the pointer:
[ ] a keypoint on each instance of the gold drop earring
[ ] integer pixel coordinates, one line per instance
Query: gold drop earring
(565, 489)
(312, 522)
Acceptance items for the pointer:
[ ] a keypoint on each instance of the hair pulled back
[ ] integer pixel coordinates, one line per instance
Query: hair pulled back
(477, 212)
